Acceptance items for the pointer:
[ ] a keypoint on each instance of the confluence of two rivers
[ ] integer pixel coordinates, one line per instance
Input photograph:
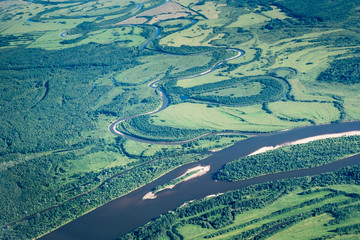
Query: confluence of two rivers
(128, 212)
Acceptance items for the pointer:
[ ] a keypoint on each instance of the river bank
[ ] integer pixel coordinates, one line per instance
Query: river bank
(306, 140)
(189, 174)
(124, 214)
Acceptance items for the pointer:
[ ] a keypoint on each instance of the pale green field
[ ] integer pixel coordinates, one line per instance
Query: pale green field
(249, 19)
(275, 13)
(318, 112)
(208, 78)
(172, 24)
(199, 116)
(194, 231)
(121, 34)
(51, 39)
(148, 150)
(209, 9)
(98, 161)
(192, 36)
(199, 34)
(308, 229)
(155, 67)
(89, 9)
(314, 228)
(21, 26)
(239, 90)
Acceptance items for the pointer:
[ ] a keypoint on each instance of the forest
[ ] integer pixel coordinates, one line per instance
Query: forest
(288, 158)
(346, 71)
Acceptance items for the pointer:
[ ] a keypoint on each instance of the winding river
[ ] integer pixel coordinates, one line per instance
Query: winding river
(126, 213)
(165, 104)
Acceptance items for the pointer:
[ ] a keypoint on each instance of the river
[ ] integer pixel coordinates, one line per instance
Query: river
(126, 213)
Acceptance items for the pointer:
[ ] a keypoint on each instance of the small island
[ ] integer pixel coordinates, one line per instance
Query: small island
(189, 174)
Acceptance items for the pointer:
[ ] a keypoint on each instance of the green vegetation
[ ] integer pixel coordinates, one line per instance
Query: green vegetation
(174, 182)
(70, 68)
(287, 158)
(323, 206)
(100, 187)
(138, 149)
(220, 118)
(345, 71)
(313, 112)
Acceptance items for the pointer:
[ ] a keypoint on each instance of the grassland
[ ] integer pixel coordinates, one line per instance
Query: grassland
(310, 228)
(241, 90)
(303, 52)
(191, 82)
(160, 66)
(148, 150)
(198, 116)
(314, 111)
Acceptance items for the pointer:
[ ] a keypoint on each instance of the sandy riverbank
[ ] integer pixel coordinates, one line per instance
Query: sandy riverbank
(306, 140)
(200, 170)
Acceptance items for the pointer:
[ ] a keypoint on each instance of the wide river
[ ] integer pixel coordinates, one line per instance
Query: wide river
(126, 213)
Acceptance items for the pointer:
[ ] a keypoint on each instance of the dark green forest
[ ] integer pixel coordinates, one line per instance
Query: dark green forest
(346, 71)
(47, 97)
(288, 158)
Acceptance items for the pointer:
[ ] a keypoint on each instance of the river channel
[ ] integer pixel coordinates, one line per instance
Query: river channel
(126, 213)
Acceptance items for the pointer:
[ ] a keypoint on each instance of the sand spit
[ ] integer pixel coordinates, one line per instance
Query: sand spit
(306, 140)
(200, 170)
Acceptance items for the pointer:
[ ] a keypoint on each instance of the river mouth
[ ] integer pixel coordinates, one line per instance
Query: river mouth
(126, 213)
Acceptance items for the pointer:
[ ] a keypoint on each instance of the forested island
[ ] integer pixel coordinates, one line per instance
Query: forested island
(100, 98)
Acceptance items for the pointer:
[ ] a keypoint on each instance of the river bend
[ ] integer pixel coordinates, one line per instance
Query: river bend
(126, 213)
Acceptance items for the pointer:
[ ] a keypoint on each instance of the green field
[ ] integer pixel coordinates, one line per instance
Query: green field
(197, 116)
(241, 90)
(315, 111)
(210, 143)
(306, 229)
(160, 66)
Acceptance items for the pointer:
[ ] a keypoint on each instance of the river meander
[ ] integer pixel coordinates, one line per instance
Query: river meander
(126, 213)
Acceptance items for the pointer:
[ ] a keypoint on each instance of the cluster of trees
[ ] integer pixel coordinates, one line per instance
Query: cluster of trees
(346, 71)
(319, 11)
(182, 50)
(290, 158)
(50, 102)
(273, 89)
(141, 127)
(216, 57)
(130, 102)
(338, 39)
(47, 95)
(231, 36)
(222, 209)
(108, 188)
